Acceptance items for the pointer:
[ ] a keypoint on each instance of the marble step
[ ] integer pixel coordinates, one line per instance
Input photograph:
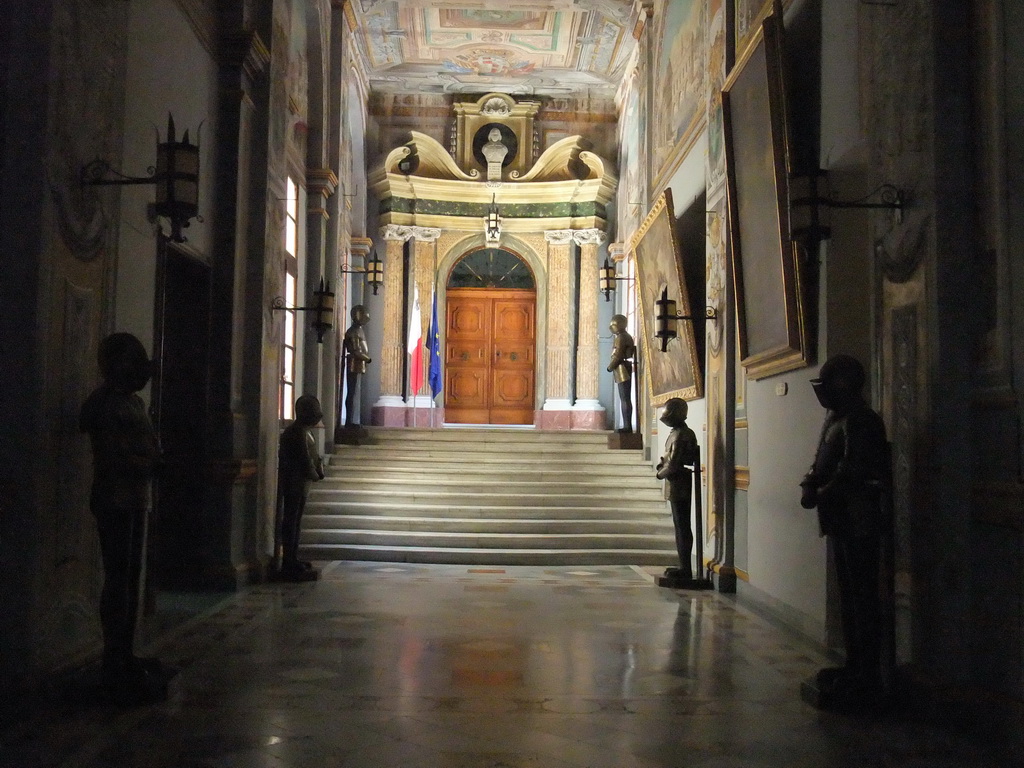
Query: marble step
(501, 496)
(383, 508)
(497, 455)
(465, 435)
(382, 479)
(497, 556)
(465, 539)
(497, 496)
(653, 526)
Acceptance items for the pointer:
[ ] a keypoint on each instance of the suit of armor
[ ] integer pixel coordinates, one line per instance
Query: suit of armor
(621, 367)
(674, 469)
(847, 483)
(357, 355)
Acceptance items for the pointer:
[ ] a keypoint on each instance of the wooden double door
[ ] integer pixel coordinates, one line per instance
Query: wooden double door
(489, 356)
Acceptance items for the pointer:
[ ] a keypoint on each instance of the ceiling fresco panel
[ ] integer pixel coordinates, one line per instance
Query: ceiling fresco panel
(544, 47)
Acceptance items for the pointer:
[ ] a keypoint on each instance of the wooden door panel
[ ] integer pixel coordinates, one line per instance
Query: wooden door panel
(469, 322)
(511, 389)
(513, 355)
(489, 357)
(473, 353)
(513, 320)
(467, 388)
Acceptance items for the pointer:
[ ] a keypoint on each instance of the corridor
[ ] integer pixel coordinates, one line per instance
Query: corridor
(421, 666)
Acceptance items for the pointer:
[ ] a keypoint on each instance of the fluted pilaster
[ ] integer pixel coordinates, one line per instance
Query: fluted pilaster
(559, 312)
(587, 352)
(392, 348)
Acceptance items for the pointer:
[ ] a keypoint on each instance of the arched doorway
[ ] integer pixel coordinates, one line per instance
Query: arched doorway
(490, 339)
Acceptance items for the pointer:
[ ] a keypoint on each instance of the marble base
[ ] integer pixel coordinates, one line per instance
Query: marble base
(828, 690)
(351, 434)
(553, 420)
(293, 577)
(388, 415)
(674, 579)
(425, 417)
(586, 419)
(626, 441)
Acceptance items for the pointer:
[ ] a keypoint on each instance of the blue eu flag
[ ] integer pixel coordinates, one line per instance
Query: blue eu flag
(434, 346)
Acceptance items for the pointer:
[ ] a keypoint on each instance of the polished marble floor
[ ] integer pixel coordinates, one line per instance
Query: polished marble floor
(471, 667)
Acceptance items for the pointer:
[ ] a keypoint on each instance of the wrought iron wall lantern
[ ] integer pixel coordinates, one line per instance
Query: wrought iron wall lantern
(807, 202)
(492, 223)
(606, 279)
(323, 309)
(176, 176)
(665, 318)
(374, 271)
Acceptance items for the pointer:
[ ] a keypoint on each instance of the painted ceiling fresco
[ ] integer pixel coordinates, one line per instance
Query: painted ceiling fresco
(543, 47)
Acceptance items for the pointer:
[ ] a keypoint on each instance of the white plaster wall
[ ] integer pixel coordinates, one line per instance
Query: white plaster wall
(786, 557)
(168, 71)
(687, 184)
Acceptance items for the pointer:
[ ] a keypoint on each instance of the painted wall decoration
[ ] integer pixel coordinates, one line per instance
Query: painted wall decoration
(716, 77)
(495, 62)
(678, 108)
(769, 306)
(631, 159)
(475, 18)
(675, 372)
(748, 15)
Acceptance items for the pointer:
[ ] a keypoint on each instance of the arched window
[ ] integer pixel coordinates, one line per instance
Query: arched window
(491, 268)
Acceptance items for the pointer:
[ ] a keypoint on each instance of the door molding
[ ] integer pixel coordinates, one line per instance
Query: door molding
(537, 264)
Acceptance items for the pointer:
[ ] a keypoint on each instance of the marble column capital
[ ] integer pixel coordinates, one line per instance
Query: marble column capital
(425, 234)
(361, 246)
(245, 49)
(320, 181)
(558, 236)
(617, 252)
(403, 233)
(395, 232)
(589, 236)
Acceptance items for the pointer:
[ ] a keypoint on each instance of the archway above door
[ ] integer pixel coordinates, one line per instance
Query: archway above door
(490, 340)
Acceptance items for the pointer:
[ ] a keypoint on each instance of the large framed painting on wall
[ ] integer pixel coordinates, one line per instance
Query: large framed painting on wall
(769, 298)
(675, 372)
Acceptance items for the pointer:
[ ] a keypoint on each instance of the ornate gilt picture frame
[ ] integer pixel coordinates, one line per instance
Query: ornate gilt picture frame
(676, 372)
(766, 271)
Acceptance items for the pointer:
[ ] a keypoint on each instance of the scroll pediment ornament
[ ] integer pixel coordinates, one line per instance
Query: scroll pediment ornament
(496, 107)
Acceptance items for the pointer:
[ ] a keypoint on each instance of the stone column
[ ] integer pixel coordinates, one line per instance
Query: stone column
(359, 251)
(389, 410)
(617, 256)
(423, 270)
(321, 261)
(588, 413)
(351, 291)
(557, 410)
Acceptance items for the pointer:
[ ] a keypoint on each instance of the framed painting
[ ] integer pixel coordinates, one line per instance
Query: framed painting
(677, 66)
(675, 372)
(769, 298)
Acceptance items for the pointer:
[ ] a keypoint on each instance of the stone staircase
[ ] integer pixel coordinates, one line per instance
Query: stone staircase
(488, 497)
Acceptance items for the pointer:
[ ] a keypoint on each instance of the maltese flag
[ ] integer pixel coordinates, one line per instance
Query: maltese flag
(415, 345)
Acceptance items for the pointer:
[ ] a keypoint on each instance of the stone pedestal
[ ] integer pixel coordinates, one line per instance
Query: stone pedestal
(353, 434)
(626, 441)
(673, 579)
